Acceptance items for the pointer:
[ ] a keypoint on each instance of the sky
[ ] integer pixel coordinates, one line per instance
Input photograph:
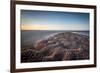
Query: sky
(54, 20)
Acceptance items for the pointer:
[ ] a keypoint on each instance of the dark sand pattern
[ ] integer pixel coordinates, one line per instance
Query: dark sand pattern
(59, 47)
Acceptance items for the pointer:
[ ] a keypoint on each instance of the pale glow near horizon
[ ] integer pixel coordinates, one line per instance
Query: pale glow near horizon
(52, 27)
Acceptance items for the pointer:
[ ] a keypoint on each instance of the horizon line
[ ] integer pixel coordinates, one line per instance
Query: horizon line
(57, 30)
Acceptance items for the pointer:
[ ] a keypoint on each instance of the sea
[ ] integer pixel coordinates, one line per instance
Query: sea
(29, 37)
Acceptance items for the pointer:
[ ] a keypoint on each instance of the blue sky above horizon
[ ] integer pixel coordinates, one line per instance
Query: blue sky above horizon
(53, 20)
